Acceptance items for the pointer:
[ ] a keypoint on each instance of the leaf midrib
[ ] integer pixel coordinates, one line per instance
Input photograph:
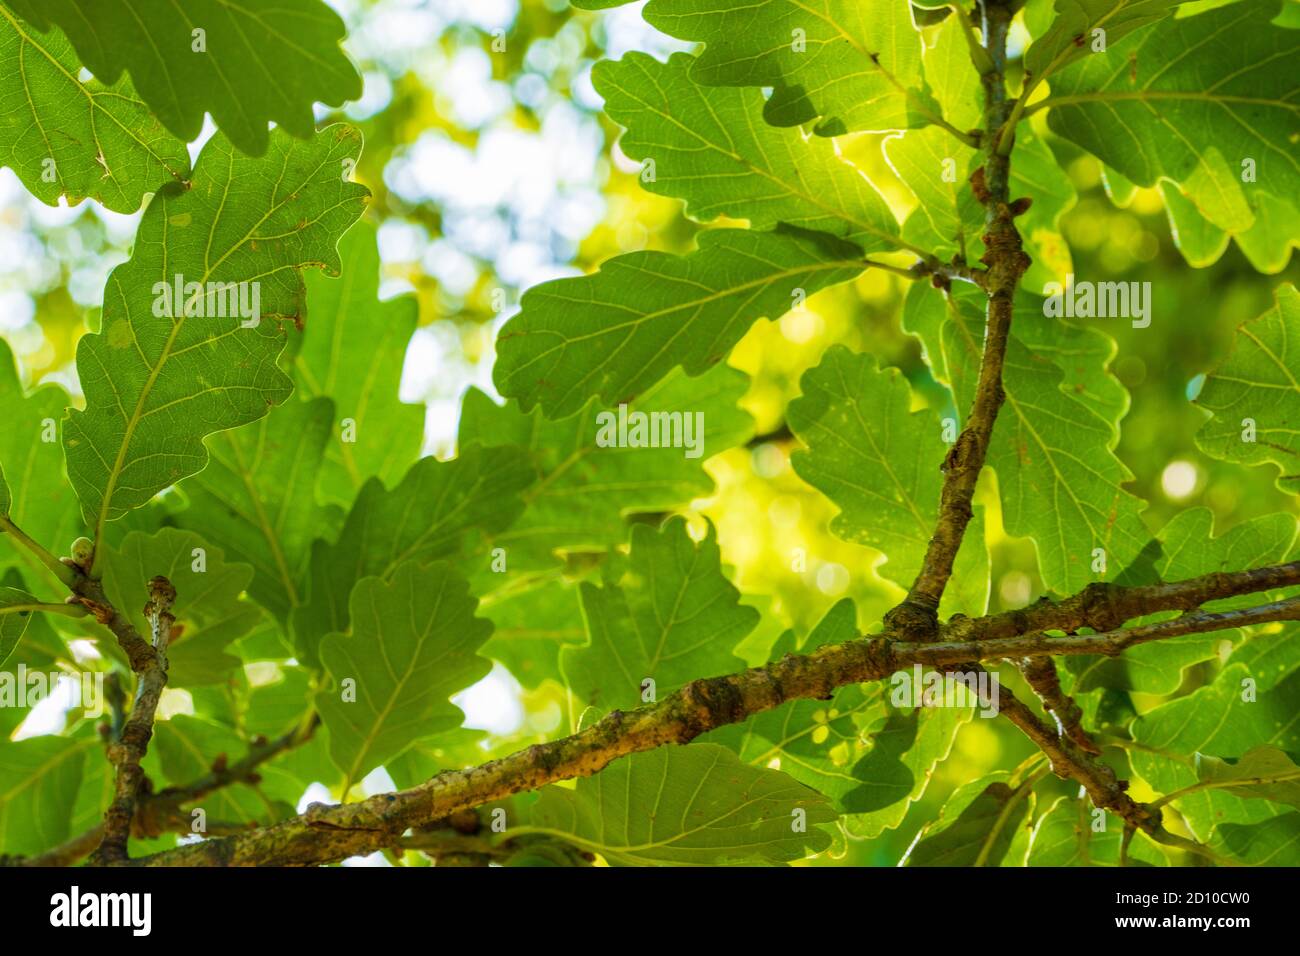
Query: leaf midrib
(137, 414)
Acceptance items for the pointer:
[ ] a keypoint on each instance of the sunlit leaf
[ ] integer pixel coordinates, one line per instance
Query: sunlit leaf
(670, 617)
(246, 65)
(711, 148)
(351, 352)
(428, 516)
(696, 805)
(413, 643)
(157, 385)
(1210, 77)
(66, 137)
(616, 332)
(1254, 397)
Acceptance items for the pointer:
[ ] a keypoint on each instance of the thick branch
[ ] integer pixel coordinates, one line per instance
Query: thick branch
(1104, 607)
(1040, 673)
(329, 833)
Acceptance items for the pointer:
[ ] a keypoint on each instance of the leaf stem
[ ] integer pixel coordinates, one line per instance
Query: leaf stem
(60, 570)
(1222, 784)
(978, 55)
(65, 610)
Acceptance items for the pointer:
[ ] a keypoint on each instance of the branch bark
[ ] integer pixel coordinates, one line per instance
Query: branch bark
(149, 661)
(917, 616)
(326, 834)
(163, 812)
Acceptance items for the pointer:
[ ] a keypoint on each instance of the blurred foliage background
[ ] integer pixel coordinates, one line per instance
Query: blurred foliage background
(493, 169)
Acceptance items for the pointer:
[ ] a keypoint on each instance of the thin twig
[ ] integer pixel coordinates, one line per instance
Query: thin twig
(126, 753)
(931, 267)
(163, 812)
(917, 615)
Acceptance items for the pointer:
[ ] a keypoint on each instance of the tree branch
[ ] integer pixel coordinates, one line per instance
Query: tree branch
(1040, 673)
(932, 267)
(163, 812)
(150, 666)
(917, 616)
(326, 834)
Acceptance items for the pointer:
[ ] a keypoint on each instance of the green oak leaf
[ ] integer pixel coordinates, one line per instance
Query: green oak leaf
(1070, 34)
(906, 745)
(1064, 836)
(1188, 550)
(276, 707)
(979, 835)
(695, 805)
(247, 65)
(209, 609)
(1267, 244)
(951, 77)
(534, 617)
(711, 149)
(1081, 353)
(670, 617)
(936, 168)
(948, 220)
(1232, 153)
(1254, 396)
(1270, 656)
(1274, 842)
(616, 332)
(156, 386)
(587, 486)
(850, 66)
(94, 794)
(38, 644)
(1264, 773)
(414, 642)
(933, 165)
(352, 352)
(1214, 720)
(16, 609)
(74, 139)
(41, 501)
(1119, 188)
(256, 499)
(871, 455)
(1199, 240)
(426, 517)
(185, 748)
(816, 742)
(1052, 448)
(39, 780)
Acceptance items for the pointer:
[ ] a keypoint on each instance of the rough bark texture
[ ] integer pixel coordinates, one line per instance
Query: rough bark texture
(329, 833)
(426, 816)
(129, 749)
(1005, 261)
